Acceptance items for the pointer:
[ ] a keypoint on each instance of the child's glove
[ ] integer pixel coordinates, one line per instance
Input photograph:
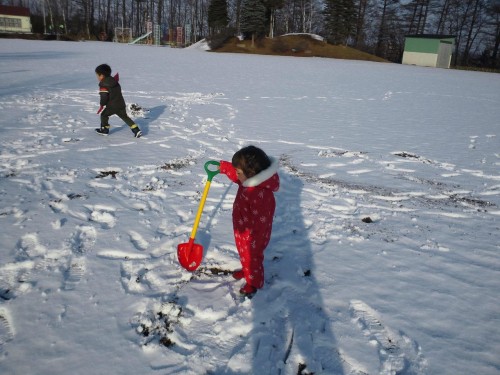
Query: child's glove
(100, 109)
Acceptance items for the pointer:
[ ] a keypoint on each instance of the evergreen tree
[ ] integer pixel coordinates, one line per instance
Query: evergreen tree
(217, 16)
(389, 30)
(253, 18)
(340, 20)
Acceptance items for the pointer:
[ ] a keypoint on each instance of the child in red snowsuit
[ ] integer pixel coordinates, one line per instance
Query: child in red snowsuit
(253, 211)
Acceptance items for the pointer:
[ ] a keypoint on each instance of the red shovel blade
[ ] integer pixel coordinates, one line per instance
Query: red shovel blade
(190, 255)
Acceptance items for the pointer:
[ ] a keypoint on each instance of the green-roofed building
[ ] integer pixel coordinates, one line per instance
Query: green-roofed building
(429, 50)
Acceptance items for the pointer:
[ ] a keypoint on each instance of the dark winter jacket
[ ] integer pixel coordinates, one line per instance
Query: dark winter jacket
(111, 94)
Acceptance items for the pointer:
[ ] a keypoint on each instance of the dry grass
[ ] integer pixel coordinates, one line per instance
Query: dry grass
(296, 45)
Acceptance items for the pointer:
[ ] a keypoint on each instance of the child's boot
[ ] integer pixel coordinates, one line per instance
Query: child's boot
(103, 130)
(238, 275)
(248, 290)
(137, 132)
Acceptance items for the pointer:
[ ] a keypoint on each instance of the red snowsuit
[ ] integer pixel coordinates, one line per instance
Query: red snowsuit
(253, 212)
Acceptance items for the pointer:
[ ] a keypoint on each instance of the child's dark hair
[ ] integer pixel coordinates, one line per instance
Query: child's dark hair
(103, 69)
(251, 160)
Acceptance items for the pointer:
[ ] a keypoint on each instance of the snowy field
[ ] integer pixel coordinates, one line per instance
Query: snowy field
(385, 250)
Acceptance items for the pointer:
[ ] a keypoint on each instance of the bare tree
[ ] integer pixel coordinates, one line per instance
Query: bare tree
(474, 26)
(360, 22)
(494, 26)
(416, 15)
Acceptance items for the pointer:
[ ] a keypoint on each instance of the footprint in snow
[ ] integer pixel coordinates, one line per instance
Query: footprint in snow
(74, 273)
(17, 215)
(83, 239)
(30, 248)
(472, 142)
(6, 330)
(151, 278)
(272, 351)
(15, 279)
(398, 353)
(103, 215)
(138, 241)
(121, 255)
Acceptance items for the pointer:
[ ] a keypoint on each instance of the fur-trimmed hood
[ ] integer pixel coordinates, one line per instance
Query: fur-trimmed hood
(268, 175)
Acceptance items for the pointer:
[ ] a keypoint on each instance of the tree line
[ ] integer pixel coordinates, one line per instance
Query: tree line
(375, 26)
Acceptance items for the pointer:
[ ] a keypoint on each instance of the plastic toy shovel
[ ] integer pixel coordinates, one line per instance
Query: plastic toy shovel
(190, 254)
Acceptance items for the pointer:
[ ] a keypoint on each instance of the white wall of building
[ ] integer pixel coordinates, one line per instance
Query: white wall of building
(17, 24)
(420, 59)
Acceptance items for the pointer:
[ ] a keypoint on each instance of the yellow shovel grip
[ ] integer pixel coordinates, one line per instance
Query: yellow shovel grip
(200, 210)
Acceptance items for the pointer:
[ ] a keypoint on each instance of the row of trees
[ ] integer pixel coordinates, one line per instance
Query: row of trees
(375, 26)
(380, 26)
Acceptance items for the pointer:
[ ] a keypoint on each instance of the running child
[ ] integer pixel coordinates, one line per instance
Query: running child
(112, 102)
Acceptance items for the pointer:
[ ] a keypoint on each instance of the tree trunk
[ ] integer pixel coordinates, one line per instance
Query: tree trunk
(496, 47)
(443, 15)
(470, 37)
(51, 18)
(412, 19)
(381, 30)
(271, 23)
(360, 22)
(159, 17)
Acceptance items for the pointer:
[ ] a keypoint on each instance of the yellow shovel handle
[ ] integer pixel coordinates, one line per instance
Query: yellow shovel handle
(200, 210)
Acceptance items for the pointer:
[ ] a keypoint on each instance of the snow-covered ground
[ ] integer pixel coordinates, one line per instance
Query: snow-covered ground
(89, 278)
